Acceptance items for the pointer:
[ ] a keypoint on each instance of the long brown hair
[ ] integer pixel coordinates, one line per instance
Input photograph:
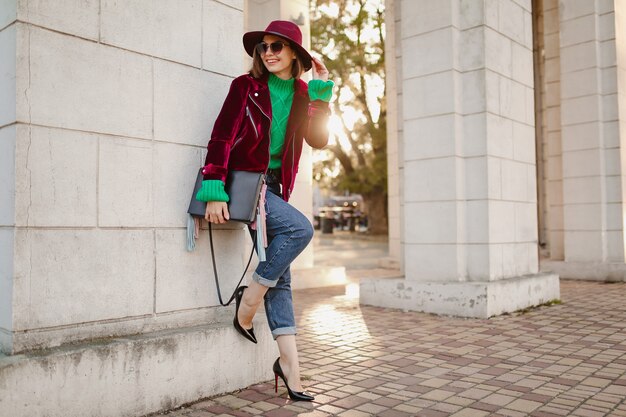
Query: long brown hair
(259, 70)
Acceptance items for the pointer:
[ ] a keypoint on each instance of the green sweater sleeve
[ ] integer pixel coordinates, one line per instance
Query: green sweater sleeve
(212, 190)
(321, 90)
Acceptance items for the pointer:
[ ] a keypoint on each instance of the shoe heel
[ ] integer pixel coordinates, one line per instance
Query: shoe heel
(275, 383)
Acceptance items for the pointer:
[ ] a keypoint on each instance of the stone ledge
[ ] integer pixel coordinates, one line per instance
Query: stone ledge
(463, 299)
(134, 376)
(589, 271)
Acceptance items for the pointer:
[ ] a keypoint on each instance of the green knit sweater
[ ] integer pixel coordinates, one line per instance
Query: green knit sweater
(281, 95)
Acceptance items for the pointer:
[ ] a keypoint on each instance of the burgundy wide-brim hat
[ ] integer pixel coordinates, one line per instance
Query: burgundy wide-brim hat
(285, 29)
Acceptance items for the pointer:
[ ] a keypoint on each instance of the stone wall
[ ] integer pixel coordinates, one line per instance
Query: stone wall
(106, 111)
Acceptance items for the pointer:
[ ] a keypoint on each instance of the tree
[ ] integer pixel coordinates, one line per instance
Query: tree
(349, 36)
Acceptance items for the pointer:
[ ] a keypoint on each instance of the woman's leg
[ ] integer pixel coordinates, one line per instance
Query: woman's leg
(289, 232)
(289, 360)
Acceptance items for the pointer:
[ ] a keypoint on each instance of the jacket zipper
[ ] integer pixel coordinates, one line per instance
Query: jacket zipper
(252, 121)
(269, 152)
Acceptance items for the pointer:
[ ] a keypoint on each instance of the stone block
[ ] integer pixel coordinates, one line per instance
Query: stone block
(423, 16)
(236, 4)
(429, 95)
(610, 110)
(499, 136)
(186, 102)
(580, 110)
(431, 222)
(605, 6)
(511, 17)
(615, 246)
(76, 17)
(185, 280)
(494, 179)
(478, 227)
(582, 190)
(608, 54)
(580, 83)
(525, 223)
(221, 37)
(579, 30)
(474, 128)
(432, 263)
(583, 163)
(609, 81)
(491, 14)
(8, 13)
(552, 46)
(610, 132)
(572, 9)
(474, 98)
(583, 136)
(431, 52)
(550, 20)
(7, 175)
(612, 163)
(472, 44)
(65, 277)
(613, 189)
(554, 144)
(464, 299)
(578, 57)
(583, 246)
(6, 283)
(522, 64)
(56, 173)
(81, 85)
(514, 180)
(134, 375)
(606, 26)
(524, 143)
(8, 75)
(553, 118)
(498, 52)
(174, 175)
(513, 100)
(552, 70)
(555, 168)
(471, 14)
(552, 95)
(614, 220)
(501, 221)
(168, 29)
(125, 183)
(478, 267)
(476, 178)
(431, 179)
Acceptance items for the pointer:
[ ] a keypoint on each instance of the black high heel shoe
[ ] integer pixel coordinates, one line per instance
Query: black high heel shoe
(294, 395)
(247, 333)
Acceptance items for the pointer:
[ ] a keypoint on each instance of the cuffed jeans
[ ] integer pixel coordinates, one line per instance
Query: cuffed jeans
(288, 233)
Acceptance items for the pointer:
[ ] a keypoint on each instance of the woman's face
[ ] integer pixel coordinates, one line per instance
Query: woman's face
(278, 63)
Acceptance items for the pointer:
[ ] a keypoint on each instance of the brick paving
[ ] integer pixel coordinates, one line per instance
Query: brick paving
(560, 360)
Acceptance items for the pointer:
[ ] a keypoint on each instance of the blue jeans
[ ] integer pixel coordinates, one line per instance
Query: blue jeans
(288, 233)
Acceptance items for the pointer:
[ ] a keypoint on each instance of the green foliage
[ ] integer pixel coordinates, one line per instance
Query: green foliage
(349, 36)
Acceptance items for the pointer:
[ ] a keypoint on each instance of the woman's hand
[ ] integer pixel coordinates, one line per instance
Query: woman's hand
(320, 72)
(216, 212)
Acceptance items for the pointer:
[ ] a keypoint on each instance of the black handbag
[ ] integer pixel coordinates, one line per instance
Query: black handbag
(244, 191)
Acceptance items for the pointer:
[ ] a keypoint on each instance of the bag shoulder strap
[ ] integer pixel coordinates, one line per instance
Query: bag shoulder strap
(217, 283)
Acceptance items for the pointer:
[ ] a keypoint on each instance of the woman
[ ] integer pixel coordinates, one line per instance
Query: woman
(266, 116)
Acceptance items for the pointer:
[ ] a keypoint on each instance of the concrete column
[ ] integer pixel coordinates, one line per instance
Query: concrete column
(395, 162)
(105, 111)
(470, 209)
(592, 160)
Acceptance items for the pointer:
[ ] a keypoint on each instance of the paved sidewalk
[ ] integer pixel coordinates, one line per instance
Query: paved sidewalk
(562, 360)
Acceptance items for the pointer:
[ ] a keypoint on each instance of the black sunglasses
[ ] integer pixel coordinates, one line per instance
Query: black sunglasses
(275, 47)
